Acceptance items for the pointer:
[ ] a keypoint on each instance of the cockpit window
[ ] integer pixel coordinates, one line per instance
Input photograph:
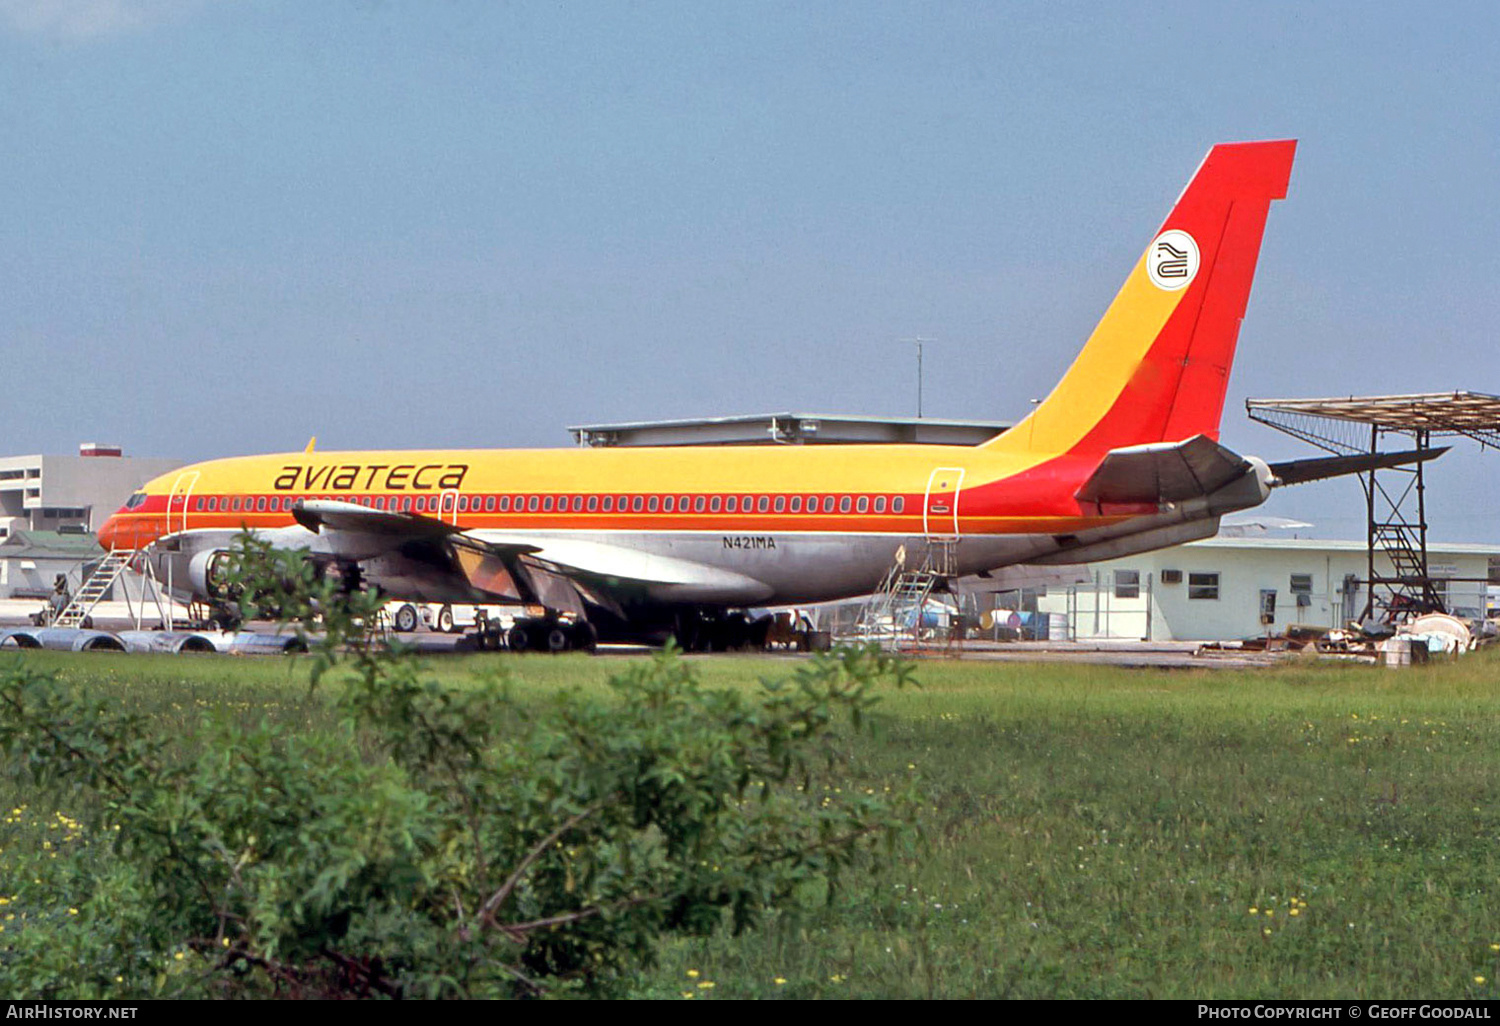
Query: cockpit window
(135, 500)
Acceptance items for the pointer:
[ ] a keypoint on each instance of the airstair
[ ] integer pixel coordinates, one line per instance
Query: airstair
(893, 614)
(93, 590)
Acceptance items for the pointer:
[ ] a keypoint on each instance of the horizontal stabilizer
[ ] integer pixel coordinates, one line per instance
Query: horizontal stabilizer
(1163, 472)
(1318, 467)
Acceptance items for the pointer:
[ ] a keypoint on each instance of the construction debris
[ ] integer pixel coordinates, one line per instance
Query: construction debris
(1420, 640)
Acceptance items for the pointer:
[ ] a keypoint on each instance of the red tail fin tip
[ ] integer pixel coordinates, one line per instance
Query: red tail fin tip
(1156, 367)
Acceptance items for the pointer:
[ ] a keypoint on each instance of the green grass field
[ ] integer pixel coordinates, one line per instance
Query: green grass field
(1309, 831)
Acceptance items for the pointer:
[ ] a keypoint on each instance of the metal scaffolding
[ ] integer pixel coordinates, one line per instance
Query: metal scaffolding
(1395, 497)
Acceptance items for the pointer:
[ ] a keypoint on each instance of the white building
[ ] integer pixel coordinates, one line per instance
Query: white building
(48, 493)
(1228, 588)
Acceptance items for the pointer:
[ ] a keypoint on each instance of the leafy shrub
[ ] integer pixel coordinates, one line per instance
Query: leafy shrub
(439, 841)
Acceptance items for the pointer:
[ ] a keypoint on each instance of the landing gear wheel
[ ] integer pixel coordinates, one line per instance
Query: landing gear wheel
(444, 621)
(406, 618)
(585, 638)
(518, 639)
(558, 640)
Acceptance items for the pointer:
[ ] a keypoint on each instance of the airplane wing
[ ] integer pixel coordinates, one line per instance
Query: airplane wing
(559, 573)
(1163, 472)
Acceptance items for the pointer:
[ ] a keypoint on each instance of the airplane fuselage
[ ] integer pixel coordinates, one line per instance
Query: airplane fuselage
(811, 523)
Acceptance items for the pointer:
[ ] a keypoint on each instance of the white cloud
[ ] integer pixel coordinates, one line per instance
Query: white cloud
(78, 20)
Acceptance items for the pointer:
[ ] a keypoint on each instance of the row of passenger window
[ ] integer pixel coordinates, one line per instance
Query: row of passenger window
(578, 503)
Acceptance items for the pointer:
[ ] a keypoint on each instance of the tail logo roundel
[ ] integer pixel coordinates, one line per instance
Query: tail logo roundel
(1172, 262)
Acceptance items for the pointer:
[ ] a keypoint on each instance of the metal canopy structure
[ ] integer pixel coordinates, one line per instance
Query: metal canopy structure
(1356, 425)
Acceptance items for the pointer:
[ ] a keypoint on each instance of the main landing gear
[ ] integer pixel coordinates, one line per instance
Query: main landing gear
(539, 634)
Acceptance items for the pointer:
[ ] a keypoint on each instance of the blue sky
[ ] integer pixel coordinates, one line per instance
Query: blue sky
(232, 225)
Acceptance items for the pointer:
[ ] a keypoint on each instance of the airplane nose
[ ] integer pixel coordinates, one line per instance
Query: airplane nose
(110, 535)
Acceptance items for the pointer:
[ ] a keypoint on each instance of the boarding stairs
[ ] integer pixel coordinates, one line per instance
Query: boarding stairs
(93, 590)
(893, 613)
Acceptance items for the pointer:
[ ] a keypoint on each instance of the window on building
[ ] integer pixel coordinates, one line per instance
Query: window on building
(1127, 584)
(1203, 586)
(1301, 589)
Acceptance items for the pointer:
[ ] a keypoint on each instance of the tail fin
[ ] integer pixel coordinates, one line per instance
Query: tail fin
(1156, 367)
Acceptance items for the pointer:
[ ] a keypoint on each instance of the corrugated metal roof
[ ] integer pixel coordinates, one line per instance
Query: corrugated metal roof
(1335, 545)
(790, 428)
(49, 544)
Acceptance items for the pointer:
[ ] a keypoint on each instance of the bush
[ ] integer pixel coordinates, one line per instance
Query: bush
(440, 841)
